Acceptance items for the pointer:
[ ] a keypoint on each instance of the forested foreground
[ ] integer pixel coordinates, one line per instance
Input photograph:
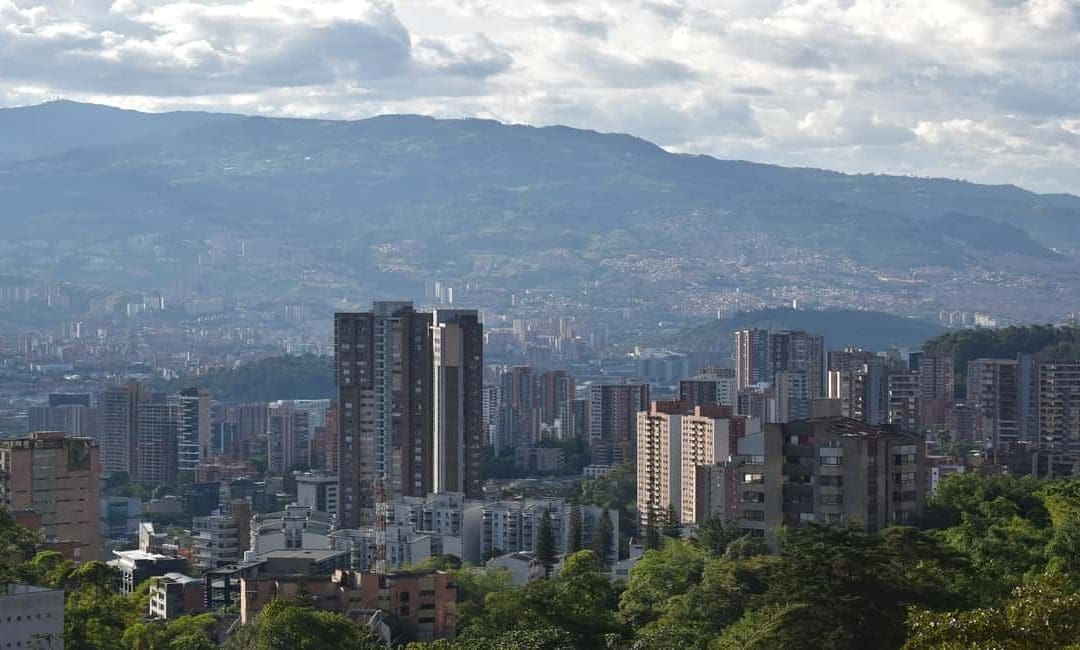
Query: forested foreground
(997, 565)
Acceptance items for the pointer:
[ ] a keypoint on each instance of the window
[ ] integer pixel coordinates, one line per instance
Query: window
(832, 499)
(753, 515)
(754, 478)
(753, 497)
(904, 459)
(832, 461)
(831, 481)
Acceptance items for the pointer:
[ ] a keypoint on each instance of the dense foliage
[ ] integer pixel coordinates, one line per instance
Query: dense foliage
(266, 380)
(993, 566)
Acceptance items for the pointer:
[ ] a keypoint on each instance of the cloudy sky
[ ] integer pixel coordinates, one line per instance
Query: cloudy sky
(987, 90)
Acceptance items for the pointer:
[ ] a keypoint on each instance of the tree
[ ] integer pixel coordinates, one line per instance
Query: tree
(657, 577)
(17, 545)
(283, 625)
(714, 535)
(603, 538)
(1042, 614)
(672, 523)
(544, 548)
(580, 601)
(574, 534)
(653, 540)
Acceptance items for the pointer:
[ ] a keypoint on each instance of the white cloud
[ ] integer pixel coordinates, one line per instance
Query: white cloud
(982, 89)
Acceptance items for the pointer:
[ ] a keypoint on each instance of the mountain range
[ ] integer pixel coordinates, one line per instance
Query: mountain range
(400, 200)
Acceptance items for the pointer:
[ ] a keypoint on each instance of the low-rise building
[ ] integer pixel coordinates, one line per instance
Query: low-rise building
(31, 617)
(175, 594)
(137, 566)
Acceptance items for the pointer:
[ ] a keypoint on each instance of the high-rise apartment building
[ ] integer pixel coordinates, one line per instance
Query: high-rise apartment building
(712, 386)
(832, 471)
(118, 408)
(555, 395)
(993, 393)
(798, 352)
(751, 357)
(383, 371)
(613, 419)
(156, 441)
(491, 415)
(904, 402)
(69, 413)
(937, 387)
(458, 362)
(1059, 419)
(673, 443)
(793, 396)
(194, 442)
(59, 479)
(519, 413)
(288, 437)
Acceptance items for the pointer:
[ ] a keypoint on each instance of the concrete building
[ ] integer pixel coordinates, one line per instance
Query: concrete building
(510, 526)
(156, 440)
(458, 361)
(904, 402)
(713, 386)
(193, 446)
(523, 567)
(137, 566)
(794, 399)
(174, 595)
(798, 352)
(937, 388)
(318, 491)
(58, 478)
(519, 413)
(540, 460)
(751, 357)
(555, 393)
(1058, 419)
(424, 603)
(215, 541)
(383, 371)
(31, 618)
(118, 408)
(288, 437)
(674, 443)
(994, 396)
(76, 419)
(296, 527)
(832, 471)
(613, 410)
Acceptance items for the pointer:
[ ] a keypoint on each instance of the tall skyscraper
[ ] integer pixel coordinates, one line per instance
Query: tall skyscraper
(793, 396)
(519, 415)
(613, 419)
(118, 408)
(58, 478)
(993, 393)
(751, 357)
(792, 351)
(937, 387)
(194, 442)
(288, 438)
(383, 371)
(555, 393)
(1059, 419)
(673, 443)
(458, 361)
(157, 438)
